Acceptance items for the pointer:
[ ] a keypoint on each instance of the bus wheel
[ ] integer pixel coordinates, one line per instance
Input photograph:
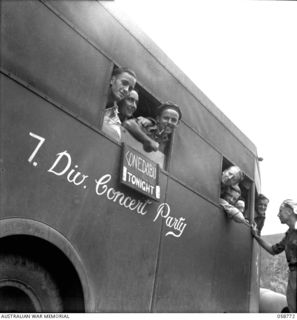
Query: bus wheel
(25, 286)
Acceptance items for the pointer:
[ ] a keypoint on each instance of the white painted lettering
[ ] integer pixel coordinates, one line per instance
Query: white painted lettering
(163, 207)
(141, 208)
(133, 201)
(171, 222)
(101, 184)
(112, 192)
(124, 200)
(62, 166)
(61, 155)
(41, 141)
(117, 196)
(136, 162)
(76, 176)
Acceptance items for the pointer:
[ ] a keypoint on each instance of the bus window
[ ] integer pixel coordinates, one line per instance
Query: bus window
(116, 119)
(244, 200)
(245, 187)
(147, 104)
(261, 203)
(146, 109)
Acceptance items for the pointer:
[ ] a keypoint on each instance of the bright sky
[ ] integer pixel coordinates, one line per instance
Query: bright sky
(243, 55)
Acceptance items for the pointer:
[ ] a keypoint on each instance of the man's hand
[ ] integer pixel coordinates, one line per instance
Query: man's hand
(144, 121)
(254, 229)
(150, 145)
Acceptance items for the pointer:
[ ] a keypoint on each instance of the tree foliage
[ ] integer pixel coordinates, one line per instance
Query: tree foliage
(274, 269)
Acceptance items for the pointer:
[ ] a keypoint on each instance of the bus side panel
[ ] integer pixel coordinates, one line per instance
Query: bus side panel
(46, 53)
(204, 270)
(196, 163)
(119, 44)
(118, 246)
(231, 281)
(255, 279)
(215, 133)
(151, 73)
(186, 266)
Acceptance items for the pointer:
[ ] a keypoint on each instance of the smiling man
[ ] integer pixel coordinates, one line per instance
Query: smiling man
(261, 207)
(128, 106)
(155, 133)
(122, 82)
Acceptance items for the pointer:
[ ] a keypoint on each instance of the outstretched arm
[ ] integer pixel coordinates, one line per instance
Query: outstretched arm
(148, 143)
(265, 245)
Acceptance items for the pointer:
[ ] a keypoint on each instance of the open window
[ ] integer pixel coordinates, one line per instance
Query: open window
(245, 198)
(146, 108)
(147, 104)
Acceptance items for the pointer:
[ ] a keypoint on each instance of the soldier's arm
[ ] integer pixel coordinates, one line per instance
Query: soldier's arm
(134, 128)
(264, 244)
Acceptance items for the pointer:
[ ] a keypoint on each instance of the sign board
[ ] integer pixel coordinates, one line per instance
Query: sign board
(140, 173)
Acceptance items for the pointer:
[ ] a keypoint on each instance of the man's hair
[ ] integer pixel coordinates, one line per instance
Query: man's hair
(261, 197)
(289, 203)
(168, 105)
(239, 172)
(120, 70)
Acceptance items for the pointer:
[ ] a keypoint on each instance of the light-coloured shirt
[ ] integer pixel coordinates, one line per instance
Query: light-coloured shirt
(232, 212)
(112, 122)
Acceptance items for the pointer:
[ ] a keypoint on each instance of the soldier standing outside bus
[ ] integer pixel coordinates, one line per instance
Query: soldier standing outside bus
(287, 215)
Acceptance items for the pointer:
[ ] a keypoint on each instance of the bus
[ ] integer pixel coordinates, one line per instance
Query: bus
(75, 236)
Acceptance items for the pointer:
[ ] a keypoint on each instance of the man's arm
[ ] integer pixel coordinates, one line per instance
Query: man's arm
(232, 212)
(260, 223)
(148, 143)
(265, 245)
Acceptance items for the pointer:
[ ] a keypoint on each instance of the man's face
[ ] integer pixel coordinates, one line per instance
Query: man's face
(231, 176)
(130, 104)
(284, 214)
(121, 85)
(261, 207)
(168, 120)
(231, 196)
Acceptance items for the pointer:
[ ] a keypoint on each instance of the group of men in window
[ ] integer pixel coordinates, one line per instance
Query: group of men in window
(234, 205)
(153, 133)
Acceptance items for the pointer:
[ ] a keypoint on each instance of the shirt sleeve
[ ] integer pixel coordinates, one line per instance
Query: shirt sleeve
(145, 123)
(228, 208)
(280, 246)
